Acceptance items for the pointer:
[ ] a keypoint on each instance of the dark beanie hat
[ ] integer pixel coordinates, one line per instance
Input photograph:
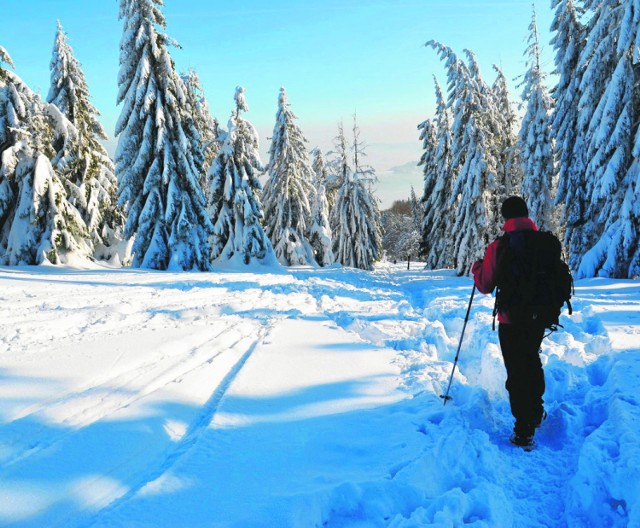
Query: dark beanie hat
(514, 207)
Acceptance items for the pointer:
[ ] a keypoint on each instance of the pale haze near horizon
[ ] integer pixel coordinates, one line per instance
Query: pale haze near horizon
(343, 57)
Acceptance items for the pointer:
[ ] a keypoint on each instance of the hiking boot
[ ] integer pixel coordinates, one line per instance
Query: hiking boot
(524, 441)
(523, 435)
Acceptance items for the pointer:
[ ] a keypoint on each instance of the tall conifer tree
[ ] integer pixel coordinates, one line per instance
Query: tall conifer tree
(438, 217)
(234, 194)
(612, 60)
(491, 115)
(430, 186)
(320, 237)
(37, 223)
(595, 65)
(82, 162)
(158, 160)
(206, 125)
(476, 192)
(338, 166)
(536, 144)
(568, 41)
(355, 218)
(508, 153)
(288, 189)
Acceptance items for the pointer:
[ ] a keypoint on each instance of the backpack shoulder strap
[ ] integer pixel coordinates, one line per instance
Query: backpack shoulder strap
(503, 247)
(501, 253)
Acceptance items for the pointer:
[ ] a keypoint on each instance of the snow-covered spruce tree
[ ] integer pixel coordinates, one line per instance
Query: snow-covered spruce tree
(613, 139)
(337, 167)
(158, 159)
(288, 189)
(595, 67)
(234, 189)
(509, 163)
(430, 180)
(437, 222)
(535, 141)
(319, 166)
(205, 123)
(357, 241)
(320, 236)
(494, 127)
(82, 162)
(413, 238)
(568, 41)
(476, 194)
(37, 224)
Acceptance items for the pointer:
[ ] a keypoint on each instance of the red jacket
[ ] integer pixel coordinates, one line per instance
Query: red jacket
(485, 271)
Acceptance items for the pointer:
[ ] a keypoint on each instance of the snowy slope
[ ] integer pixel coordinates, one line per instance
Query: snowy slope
(303, 398)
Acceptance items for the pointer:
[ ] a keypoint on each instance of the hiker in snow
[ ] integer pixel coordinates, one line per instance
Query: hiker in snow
(532, 285)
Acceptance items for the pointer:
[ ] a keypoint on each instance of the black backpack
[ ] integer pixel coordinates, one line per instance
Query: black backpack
(533, 282)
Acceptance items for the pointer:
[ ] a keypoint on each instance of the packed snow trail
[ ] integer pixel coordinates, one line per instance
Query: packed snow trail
(303, 398)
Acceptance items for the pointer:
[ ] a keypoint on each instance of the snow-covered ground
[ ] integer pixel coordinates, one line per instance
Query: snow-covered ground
(303, 398)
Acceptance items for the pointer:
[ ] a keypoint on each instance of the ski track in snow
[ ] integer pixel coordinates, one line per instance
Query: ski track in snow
(112, 395)
(457, 468)
(195, 429)
(105, 395)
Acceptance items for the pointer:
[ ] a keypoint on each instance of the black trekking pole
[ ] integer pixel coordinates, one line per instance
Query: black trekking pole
(446, 396)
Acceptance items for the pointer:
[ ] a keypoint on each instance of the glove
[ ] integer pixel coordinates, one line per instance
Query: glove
(477, 266)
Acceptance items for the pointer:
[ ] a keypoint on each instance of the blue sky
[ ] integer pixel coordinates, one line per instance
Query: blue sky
(334, 58)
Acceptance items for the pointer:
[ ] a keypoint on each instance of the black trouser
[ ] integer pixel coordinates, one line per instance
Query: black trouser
(520, 346)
